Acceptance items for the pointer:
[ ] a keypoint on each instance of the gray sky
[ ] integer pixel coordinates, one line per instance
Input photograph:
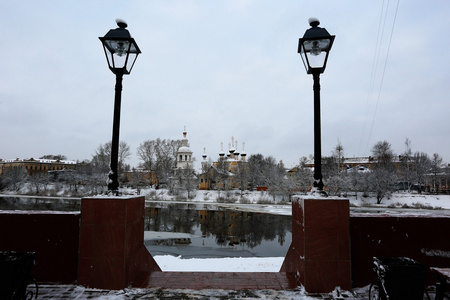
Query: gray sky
(223, 69)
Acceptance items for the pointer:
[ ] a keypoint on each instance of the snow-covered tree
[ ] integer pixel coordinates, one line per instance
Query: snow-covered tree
(422, 164)
(338, 184)
(256, 170)
(436, 169)
(13, 178)
(383, 177)
(39, 182)
(264, 171)
(303, 176)
(406, 165)
(186, 181)
(242, 176)
(338, 155)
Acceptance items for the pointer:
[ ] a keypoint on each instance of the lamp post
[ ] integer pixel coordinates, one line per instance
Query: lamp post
(121, 52)
(314, 47)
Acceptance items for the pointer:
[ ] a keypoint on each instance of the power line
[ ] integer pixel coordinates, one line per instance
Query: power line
(372, 75)
(374, 70)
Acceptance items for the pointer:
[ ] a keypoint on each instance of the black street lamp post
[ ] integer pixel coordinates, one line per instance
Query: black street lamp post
(121, 52)
(314, 47)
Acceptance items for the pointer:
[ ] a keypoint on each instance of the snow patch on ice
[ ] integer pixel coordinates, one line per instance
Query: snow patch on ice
(435, 252)
(161, 235)
(240, 264)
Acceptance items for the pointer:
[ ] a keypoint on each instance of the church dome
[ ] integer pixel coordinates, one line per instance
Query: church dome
(184, 149)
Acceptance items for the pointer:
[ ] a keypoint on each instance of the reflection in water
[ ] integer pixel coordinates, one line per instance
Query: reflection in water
(259, 233)
(29, 203)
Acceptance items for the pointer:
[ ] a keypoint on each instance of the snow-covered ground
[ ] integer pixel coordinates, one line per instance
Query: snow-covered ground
(81, 293)
(227, 264)
(398, 199)
(413, 200)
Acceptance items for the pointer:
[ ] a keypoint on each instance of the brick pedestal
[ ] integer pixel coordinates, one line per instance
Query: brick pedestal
(112, 254)
(320, 249)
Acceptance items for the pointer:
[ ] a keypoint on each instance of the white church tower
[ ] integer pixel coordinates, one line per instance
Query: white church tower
(184, 153)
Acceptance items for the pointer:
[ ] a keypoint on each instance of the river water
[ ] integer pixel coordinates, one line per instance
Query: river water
(213, 231)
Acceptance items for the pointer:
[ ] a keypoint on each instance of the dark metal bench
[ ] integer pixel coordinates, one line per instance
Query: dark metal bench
(15, 273)
(442, 282)
(398, 278)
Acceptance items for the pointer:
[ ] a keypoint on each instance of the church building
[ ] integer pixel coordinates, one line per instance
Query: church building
(228, 172)
(184, 154)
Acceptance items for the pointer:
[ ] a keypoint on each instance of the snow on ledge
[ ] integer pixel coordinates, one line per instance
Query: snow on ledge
(38, 212)
(113, 197)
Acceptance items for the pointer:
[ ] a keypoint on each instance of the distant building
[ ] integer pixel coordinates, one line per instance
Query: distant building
(227, 171)
(364, 163)
(438, 182)
(359, 163)
(37, 166)
(184, 177)
(184, 154)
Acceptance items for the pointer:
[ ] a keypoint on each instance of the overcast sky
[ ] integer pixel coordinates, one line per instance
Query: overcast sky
(223, 69)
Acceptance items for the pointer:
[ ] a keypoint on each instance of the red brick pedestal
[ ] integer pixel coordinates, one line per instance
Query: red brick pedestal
(320, 249)
(112, 254)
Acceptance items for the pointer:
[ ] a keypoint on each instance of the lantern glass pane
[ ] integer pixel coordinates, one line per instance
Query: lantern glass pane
(119, 60)
(130, 62)
(316, 60)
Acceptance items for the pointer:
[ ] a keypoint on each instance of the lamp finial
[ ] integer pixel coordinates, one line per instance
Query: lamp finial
(314, 22)
(121, 23)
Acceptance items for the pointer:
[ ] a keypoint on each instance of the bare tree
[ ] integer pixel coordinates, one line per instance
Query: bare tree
(146, 153)
(436, 169)
(54, 157)
(159, 156)
(101, 160)
(165, 152)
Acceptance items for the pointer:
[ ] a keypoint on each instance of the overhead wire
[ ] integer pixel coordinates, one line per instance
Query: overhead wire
(372, 76)
(375, 68)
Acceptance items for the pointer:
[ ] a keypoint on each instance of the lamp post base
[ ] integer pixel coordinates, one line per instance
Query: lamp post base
(317, 189)
(317, 192)
(113, 184)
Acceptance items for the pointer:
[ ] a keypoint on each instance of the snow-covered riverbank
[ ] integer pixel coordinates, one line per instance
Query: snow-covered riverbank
(397, 199)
